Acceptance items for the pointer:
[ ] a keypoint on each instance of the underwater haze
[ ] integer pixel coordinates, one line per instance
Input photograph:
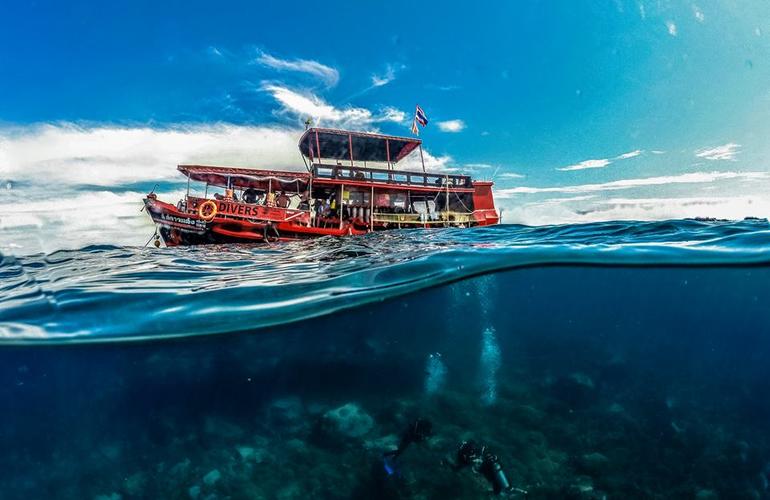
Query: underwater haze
(608, 360)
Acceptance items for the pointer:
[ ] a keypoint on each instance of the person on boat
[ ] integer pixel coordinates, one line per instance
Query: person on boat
(304, 201)
(250, 195)
(270, 199)
(418, 431)
(283, 201)
(317, 211)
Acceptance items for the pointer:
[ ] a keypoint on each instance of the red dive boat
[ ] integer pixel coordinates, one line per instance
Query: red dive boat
(350, 186)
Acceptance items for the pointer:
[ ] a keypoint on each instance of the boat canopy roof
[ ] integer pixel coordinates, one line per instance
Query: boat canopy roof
(244, 177)
(317, 143)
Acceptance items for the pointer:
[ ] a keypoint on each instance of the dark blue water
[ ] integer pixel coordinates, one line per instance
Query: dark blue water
(618, 360)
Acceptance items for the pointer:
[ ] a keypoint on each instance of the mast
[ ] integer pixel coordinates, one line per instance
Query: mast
(446, 203)
(350, 148)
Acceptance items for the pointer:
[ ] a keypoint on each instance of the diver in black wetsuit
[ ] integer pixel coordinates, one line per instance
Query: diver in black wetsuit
(417, 432)
(482, 461)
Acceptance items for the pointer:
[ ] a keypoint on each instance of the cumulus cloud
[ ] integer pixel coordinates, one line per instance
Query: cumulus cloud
(726, 152)
(689, 178)
(326, 74)
(73, 220)
(105, 155)
(451, 126)
(592, 209)
(585, 165)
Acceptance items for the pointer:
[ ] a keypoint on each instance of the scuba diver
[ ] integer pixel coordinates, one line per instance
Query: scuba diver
(417, 432)
(482, 461)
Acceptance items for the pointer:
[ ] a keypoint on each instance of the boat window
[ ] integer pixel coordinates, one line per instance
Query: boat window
(380, 176)
(399, 178)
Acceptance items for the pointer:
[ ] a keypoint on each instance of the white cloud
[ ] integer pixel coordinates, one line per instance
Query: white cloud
(671, 26)
(452, 126)
(630, 154)
(49, 223)
(600, 163)
(390, 114)
(586, 164)
(432, 163)
(385, 78)
(511, 175)
(689, 178)
(698, 13)
(328, 75)
(592, 209)
(214, 51)
(309, 105)
(726, 152)
(105, 155)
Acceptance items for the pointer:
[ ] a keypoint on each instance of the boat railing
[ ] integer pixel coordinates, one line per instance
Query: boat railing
(396, 177)
(424, 219)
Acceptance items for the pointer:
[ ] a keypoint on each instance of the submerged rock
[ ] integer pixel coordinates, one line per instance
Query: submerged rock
(194, 492)
(576, 390)
(593, 463)
(111, 496)
(286, 415)
(389, 442)
(349, 420)
(212, 477)
(706, 495)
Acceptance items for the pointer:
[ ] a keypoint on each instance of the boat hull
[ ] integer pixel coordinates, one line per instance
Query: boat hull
(180, 227)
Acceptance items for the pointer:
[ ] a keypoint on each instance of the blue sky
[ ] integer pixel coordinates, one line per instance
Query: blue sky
(580, 110)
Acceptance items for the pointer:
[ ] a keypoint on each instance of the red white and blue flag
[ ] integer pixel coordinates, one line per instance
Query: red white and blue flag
(419, 117)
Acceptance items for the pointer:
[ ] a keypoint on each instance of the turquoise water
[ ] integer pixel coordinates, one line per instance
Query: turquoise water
(614, 360)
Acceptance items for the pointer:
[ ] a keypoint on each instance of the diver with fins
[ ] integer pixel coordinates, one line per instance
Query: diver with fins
(417, 432)
(469, 454)
(487, 464)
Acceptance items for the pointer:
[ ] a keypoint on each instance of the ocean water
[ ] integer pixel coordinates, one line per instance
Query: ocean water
(611, 360)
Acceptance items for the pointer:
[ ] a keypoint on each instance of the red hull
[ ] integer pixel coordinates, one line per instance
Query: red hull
(178, 227)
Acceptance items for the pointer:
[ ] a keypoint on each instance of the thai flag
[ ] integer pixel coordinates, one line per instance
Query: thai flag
(419, 116)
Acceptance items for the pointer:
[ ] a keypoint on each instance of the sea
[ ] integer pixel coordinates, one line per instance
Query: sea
(597, 361)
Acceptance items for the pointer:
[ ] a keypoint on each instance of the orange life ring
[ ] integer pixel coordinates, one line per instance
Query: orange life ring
(212, 214)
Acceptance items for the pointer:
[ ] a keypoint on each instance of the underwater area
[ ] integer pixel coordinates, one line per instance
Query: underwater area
(608, 360)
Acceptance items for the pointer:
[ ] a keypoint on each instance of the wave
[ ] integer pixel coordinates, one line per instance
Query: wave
(110, 293)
